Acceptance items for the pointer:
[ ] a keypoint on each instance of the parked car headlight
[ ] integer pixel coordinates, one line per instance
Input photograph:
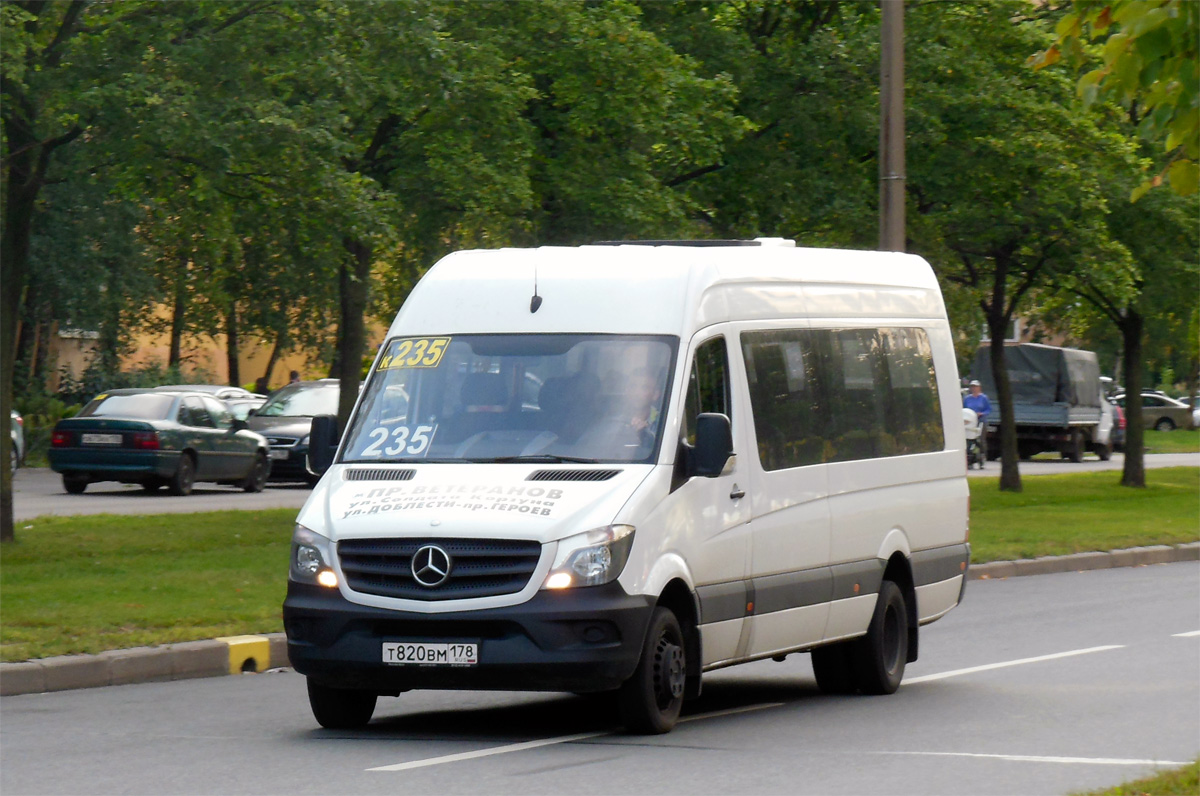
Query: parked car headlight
(310, 558)
(591, 558)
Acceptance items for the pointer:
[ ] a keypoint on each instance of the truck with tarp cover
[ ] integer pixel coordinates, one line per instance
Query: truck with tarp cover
(1058, 403)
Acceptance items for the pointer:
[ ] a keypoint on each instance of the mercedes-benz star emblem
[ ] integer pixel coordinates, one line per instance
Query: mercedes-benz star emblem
(431, 566)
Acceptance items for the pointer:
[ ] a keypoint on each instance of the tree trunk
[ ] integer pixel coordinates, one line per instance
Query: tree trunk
(231, 346)
(281, 341)
(352, 332)
(178, 312)
(1134, 473)
(21, 193)
(1010, 473)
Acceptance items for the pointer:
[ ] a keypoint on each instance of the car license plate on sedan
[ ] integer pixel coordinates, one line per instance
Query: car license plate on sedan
(101, 439)
(279, 454)
(417, 654)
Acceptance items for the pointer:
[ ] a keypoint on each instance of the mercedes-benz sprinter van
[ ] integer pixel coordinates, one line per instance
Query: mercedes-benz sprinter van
(617, 467)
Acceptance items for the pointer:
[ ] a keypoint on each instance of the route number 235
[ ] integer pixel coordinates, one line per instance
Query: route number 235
(403, 439)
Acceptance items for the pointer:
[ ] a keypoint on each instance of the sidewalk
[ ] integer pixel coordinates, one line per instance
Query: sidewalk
(251, 654)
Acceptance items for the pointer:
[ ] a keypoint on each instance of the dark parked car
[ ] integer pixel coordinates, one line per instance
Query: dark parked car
(286, 420)
(158, 438)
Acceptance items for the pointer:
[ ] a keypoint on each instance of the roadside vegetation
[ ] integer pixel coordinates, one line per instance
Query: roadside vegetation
(1179, 782)
(1181, 440)
(86, 584)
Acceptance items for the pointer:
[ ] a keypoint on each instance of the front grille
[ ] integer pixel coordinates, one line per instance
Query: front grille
(572, 475)
(281, 442)
(479, 567)
(380, 474)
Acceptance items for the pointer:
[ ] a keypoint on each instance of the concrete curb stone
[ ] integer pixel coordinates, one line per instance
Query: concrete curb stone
(211, 658)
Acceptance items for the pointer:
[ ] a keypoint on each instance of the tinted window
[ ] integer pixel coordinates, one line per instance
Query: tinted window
(708, 385)
(143, 406)
(826, 395)
(193, 413)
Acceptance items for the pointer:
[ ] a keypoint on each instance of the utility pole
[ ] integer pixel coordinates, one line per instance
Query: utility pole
(891, 127)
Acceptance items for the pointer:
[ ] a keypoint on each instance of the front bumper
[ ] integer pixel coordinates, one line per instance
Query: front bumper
(292, 468)
(581, 640)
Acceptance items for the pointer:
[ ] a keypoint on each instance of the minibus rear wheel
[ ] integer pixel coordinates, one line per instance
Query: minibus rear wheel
(340, 708)
(881, 654)
(651, 699)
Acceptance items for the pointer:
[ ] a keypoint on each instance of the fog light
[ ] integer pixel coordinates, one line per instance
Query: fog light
(559, 580)
(327, 578)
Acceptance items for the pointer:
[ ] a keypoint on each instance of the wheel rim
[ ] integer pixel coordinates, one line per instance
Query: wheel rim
(669, 671)
(260, 472)
(186, 472)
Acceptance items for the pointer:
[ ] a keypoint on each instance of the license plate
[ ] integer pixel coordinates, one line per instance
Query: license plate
(416, 654)
(279, 454)
(101, 439)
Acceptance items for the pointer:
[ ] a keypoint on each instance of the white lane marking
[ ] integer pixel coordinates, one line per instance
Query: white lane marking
(1094, 761)
(1187, 635)
(520, 747)
(955, 673)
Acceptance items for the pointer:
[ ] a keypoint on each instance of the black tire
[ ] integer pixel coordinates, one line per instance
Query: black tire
(1076, 446)
(152, 485)
(651, 699)
(880, 656)
(1164, 424)
(185, 476)
(834, 668)
(256, 479)
(75, 483)
(12, 458)
(339, 708)
(1105, 452)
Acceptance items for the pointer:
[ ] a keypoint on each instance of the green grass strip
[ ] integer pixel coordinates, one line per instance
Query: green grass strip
(90, 583)
(1081, 512)
(1179, 782)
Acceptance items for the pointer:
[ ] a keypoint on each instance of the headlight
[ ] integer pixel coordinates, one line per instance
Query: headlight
(310, 558)
(591, 558)
(303, 441)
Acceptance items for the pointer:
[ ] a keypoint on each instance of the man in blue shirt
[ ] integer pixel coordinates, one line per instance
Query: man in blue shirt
(980, 405)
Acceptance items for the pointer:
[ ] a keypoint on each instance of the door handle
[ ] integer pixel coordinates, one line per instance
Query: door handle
(738, 493)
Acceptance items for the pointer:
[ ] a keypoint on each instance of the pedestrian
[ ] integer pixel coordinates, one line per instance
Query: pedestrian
(977, 402)
(294, 377)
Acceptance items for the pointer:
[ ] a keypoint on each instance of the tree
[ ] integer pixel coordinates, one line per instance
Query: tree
(1150, 64)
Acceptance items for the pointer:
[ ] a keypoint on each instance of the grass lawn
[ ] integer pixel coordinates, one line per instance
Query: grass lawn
(1181, 440)
(1180, 782)
(1080, 512)
(91, 583)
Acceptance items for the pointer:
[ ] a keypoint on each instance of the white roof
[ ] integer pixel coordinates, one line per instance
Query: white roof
(662, 289)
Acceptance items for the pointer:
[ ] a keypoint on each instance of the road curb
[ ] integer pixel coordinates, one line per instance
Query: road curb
(252, 654)
(1080, 562)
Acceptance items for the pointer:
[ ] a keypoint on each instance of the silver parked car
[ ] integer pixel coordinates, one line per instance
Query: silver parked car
(1160, 412)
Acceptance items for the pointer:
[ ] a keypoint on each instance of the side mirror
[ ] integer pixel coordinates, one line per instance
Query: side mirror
(714, 445)
(322, 444)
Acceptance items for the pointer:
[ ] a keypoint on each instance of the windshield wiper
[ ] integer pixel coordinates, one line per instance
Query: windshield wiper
(549, 458)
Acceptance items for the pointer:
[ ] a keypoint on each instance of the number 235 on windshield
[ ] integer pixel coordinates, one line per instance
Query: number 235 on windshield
(414, 352)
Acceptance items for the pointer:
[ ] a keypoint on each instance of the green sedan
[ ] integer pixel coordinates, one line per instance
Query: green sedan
(158, 438)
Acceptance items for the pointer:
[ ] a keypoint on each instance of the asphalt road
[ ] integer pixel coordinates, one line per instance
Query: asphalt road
(1036, 685)
(38, 491)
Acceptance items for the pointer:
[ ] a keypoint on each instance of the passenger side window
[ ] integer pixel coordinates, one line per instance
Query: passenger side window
(708, 386)
(219, 414)
(834, 395)
(197, 415)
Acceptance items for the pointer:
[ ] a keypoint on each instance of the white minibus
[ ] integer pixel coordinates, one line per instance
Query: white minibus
(612, 468)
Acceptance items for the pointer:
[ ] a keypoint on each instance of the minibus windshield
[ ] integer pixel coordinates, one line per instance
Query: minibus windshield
(513, 398)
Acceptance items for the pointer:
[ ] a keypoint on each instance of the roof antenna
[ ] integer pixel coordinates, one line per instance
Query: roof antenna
(536, 301)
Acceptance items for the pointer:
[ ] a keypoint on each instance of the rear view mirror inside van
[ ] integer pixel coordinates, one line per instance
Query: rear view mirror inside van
(714, 444)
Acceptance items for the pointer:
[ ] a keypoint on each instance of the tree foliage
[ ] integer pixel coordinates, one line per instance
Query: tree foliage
(1149, 62)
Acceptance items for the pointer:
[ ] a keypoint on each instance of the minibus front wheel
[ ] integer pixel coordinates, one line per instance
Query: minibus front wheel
(340, 708)
(651, 699)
